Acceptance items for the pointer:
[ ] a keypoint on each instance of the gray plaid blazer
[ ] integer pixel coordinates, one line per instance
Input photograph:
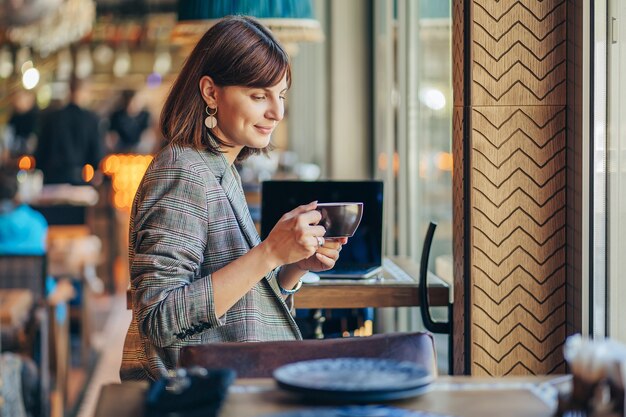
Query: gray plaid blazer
(189, 219)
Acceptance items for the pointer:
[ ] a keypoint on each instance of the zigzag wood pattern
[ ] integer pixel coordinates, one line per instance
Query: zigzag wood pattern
(575, 145)
(518, 274)
(521, 369)
(520, 52)
(511, 364)
(514, 223)
(457, 52)
(520, 332)
(539, 8)
(518, 239)
(517, 201)
(458, 240)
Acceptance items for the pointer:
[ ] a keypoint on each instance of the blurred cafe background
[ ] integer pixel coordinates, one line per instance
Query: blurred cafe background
(371, 99)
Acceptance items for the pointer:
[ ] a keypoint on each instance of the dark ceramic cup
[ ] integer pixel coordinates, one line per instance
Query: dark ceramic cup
(340, 219)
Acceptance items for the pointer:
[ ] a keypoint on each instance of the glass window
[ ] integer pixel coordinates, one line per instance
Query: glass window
(413, 78)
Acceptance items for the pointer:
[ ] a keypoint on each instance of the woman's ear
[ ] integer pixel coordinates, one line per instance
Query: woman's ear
(208, 89)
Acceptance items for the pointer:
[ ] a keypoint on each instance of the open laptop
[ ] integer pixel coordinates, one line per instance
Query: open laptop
(361, 257)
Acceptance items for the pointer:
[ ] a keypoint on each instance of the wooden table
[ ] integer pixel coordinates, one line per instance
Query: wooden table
(454, 396)
(398, 287)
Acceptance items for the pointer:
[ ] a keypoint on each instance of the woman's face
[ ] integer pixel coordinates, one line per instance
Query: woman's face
(247, 116)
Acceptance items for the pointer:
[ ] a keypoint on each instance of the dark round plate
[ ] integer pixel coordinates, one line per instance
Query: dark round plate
(355, 411)
(354, 380)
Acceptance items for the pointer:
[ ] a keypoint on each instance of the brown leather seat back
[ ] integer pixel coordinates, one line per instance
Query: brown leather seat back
(259, 359)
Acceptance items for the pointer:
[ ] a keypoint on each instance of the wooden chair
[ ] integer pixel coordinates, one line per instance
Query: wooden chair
(24, 272)
(29, 272)
(259, 359)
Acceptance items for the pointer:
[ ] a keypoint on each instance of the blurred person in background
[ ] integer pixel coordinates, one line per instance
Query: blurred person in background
(22, 124)
(128, 123)
(23, 231)
(70, 138)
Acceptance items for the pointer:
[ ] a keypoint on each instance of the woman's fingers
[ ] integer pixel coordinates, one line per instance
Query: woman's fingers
(330, 250)
(310, 217)
(332, 244)
(326, 261)
(318, 231)
(302, 209)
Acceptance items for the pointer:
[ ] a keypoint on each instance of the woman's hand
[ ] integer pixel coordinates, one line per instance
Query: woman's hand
(325, 257)
(296, 236)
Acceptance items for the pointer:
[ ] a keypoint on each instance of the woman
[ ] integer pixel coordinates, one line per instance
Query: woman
(199, 272)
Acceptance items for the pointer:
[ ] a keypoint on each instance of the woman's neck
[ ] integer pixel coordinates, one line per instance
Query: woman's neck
(231, 154)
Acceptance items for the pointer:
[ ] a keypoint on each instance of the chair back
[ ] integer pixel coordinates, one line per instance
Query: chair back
(259, 359)
(29, 272)
(24, 271)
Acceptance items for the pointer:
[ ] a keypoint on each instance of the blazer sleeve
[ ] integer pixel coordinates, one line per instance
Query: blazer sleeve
(170, 221)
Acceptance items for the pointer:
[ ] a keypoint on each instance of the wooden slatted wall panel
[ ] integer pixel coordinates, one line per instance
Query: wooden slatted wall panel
(459, 203)
(516, 139)
(574, 165)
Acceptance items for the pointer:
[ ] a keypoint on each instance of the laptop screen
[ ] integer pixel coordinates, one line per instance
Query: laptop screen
(364, 249)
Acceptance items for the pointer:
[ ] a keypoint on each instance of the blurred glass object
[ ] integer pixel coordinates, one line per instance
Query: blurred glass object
(162, 61)
(30, 79)
(22, 56)
(6, 62)
(44, 96)
(30, 184)
(103, 54)
(307, 172)
(65, 65)
(432, 98)
(122, 63)
(84, 63)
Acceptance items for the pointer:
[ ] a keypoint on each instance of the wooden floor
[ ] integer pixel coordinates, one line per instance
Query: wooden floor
(85, 377)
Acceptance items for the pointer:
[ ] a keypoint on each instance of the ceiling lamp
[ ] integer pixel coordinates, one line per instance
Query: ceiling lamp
(19, 13)
(69, 22)
(290, 20)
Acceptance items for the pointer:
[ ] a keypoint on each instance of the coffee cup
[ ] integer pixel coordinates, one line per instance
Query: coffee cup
(340, 219)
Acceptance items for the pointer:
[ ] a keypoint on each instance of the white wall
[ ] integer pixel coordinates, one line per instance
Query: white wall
(329, 101)
(308, 97)
(349, 95)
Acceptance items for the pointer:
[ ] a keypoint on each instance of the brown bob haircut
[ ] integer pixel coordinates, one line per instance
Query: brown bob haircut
(236, 51)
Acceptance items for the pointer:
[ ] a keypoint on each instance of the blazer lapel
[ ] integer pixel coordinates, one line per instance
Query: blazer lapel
(231, 184)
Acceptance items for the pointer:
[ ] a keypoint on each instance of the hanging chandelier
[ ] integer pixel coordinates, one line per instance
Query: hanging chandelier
(68, 23)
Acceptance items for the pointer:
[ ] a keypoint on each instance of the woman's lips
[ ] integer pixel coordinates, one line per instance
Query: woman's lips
(264, 129)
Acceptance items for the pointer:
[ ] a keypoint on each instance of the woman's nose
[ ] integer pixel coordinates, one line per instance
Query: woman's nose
(276, 110)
